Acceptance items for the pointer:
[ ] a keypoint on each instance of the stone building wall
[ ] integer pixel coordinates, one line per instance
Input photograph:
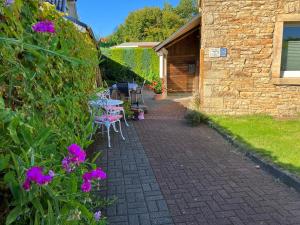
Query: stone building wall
(242, 83)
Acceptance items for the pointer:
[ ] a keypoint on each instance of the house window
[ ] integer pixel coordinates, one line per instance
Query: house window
(192, 69)
(290, 58)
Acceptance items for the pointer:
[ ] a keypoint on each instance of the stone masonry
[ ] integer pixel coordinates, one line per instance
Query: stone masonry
(242, 83)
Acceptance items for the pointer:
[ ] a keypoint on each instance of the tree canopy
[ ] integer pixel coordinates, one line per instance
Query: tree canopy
(154, 23)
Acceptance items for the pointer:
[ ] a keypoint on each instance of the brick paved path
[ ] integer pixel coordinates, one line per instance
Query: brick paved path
(131, 180)
(195, 177)
(204, 180)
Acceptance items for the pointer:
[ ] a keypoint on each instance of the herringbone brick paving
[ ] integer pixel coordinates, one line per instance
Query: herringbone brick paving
(204, 179)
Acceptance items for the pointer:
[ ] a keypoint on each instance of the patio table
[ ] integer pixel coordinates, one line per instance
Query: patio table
(107, 102)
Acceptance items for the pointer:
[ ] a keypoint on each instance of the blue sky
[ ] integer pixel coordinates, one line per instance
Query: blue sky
(105, 15)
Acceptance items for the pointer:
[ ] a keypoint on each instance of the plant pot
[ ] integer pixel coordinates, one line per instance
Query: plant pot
(159, 97)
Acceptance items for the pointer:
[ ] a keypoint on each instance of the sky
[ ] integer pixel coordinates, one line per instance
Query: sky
(104, 16)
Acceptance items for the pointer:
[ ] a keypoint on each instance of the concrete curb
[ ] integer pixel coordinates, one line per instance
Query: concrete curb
(284, 176)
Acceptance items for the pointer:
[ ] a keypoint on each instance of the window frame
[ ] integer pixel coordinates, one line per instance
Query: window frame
(277, 75)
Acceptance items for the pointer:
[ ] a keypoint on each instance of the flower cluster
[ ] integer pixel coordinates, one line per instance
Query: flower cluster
(157, 86)
(35, 174)
(75, 158)
(97, 174)
(44, 27)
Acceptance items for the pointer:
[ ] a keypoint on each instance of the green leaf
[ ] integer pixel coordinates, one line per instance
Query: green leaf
(38, 206)
(42, 137)
(50, 214)
(10, 180)
(4, 162)
(13, 215)
(37, 218)
(2, 104)
(12, 128)
(85, 212)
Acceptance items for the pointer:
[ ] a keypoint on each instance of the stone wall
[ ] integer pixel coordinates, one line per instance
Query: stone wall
(242, 83)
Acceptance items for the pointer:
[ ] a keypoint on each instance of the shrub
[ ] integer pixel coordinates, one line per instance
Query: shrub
(195, 118)
(158, 86)
(130, 63)
(46, 80)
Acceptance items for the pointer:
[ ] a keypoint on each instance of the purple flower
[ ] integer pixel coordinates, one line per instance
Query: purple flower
(86, 186)
(97, 215)
(44, 27)
(26, 185)
(98, 174)
(87, 176)
(75, 157)
(51, 173)
(35, 174)
(44, 180)
(78, 155)
(9, 2)
(66, 164)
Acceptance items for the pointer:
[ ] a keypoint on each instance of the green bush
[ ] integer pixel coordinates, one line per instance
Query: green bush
(195, 118)
(126, 64)
(45, 83)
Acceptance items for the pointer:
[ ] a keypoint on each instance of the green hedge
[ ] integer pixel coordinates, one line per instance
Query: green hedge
(45, 83)
(125, 64)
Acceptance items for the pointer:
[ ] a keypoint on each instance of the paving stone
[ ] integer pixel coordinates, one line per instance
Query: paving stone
(205, 180)
(167, 173)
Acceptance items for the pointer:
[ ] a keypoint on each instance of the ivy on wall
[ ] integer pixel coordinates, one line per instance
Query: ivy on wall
(126, 64)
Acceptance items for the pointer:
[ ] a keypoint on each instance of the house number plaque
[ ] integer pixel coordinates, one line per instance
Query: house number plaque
(217, 52)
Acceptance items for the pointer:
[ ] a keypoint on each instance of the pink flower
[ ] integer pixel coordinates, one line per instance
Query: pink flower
(44, 27)
(86, 186)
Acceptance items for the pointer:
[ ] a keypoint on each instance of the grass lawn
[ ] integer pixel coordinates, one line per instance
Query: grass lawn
(278, 140)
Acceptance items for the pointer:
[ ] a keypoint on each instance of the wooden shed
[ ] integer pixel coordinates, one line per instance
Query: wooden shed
(179, 58)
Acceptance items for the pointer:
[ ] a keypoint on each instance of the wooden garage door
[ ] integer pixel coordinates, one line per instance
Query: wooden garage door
(181, 73)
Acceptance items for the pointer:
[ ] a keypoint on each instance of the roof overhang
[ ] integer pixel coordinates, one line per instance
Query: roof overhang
(192, 24)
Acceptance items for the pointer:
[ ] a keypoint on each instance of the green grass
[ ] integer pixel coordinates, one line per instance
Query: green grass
(275, 140)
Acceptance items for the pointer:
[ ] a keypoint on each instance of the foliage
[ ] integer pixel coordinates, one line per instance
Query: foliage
(158, 86)
(45, 82)
(271, 138)
(187, 9)
(127, 108)
(153, 23)
(195, 118)
(126, 64)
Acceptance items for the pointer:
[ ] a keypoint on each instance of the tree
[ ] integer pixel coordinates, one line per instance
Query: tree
(187, 9)
(153, 23)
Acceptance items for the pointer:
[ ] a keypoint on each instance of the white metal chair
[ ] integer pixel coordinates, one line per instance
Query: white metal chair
(104, 119)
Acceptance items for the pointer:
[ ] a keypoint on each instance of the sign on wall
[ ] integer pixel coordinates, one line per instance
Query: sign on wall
(217, 52)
